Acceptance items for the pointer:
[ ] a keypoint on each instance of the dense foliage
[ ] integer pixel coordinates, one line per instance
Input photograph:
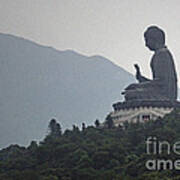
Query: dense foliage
(93, 153)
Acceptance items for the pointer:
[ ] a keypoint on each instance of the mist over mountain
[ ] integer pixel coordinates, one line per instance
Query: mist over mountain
(38, 83)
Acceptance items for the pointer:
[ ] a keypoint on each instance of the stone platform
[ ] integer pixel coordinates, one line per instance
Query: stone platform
(133, 111)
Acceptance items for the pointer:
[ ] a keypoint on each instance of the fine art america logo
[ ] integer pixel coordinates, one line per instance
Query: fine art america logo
(156, 147)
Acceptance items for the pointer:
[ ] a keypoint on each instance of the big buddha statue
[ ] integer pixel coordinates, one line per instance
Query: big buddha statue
(163, 85)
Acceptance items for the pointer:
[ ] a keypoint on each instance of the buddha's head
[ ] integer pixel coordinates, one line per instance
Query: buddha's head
(154, 38)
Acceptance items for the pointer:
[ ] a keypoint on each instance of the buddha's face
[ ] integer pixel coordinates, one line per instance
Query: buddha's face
(151, 43)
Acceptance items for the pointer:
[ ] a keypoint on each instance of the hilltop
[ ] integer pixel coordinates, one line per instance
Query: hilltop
(94, 153)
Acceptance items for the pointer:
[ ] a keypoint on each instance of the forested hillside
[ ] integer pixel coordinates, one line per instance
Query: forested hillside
(94, 153)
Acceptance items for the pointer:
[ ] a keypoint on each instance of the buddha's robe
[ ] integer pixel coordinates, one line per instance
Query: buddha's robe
(164, 83)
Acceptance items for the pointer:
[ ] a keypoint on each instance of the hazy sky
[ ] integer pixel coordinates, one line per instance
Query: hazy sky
(111, 28)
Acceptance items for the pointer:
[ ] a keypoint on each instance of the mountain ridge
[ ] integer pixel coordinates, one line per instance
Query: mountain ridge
(71, 51)
(39, 83)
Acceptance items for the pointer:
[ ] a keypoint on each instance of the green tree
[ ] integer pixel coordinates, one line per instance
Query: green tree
(55, 128)
(83, 126)
(97, 123)
(109, 122)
